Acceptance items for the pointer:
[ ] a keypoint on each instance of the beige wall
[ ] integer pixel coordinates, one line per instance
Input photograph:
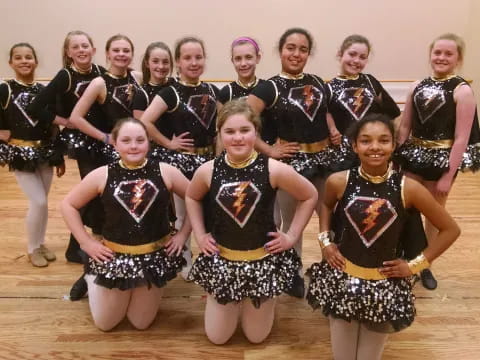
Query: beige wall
(400, 31)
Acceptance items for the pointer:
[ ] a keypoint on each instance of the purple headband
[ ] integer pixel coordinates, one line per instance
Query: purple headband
(246, 39)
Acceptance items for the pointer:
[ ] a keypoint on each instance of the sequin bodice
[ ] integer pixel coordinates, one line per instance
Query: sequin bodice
(119, 98)
(241, 204)
(195, 113)
(136, 204)
(21, 125)
(299, 111)
(368, 219)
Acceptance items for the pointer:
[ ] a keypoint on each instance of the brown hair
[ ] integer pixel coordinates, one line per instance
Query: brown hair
(23, 44)
(146, 58)
(66, 43)
(292, 31)
(354, 39)
(184, 40)
(456, 39)
(118, 37)
(238, 106)
(119, 124)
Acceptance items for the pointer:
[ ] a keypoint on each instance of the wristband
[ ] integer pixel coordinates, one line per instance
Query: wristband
(418, 264)
(324, 239)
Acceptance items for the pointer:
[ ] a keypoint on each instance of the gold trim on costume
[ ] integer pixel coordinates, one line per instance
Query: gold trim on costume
(445, 78)
(184, 83)
(432, 144)
(376, 179)
(286, 75)
(362, 272)
(310, 148)
(24, 143)
(242, 255)
(200, 150)
(249, 85)
(242, 164)
(132, 167)
(348, 77)
(137, 249)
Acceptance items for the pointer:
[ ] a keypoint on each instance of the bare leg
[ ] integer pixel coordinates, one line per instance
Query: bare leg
(220, 320)
(143, 307)
(108, 306)
(257, 323)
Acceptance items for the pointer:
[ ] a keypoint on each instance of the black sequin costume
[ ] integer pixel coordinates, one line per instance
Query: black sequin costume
(191, 109)
(31, 141)
(296, 109)
(434, 120)
(350, 100)
(141, 101)
(369, 219)
(64, 91)
(240, 214)
(136, 204)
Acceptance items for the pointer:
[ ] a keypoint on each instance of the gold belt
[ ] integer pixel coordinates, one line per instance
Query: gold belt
(242, 255)
(432, 144)
(136, 249)
(31, 143)
(310, 147)
(363, 272)
(201, 150)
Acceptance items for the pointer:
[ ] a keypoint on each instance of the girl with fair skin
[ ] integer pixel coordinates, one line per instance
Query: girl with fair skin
(30, 152)
(187, 109)
(128, 268)
(439, 122)
(245, 261)
(294, 104)
(361, 285)
(64, 91)
(353, 95)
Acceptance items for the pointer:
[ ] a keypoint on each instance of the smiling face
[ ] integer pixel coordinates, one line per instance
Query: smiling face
(374, 146)
(238, 136)
(294, 53)
(23, 62)
(120, 54)
(80, 51)
(191, 62)
(131, 142)
(444, 58)
(245, 60)
(354, 59)
(159, 65)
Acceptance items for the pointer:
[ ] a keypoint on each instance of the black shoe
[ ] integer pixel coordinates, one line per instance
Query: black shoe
(428, 280)
(79, 289)
(72, 254)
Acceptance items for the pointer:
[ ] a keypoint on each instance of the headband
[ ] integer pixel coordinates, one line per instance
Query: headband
(246, 39)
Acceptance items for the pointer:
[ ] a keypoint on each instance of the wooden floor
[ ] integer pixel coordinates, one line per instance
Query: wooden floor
(37, 321)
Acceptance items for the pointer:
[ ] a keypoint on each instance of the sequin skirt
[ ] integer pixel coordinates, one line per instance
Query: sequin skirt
(310, 165)
(4, 150)
(341, 157)
(259, 280)
(160, 153)
(381, 305)
(187, 163)
(78, 145)
(127, 271)
(28, 158)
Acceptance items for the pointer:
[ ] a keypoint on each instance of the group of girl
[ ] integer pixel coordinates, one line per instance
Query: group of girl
(276, 146)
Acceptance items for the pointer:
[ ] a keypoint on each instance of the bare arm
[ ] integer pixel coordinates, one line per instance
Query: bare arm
(95, 92)
(406, 118)
(335, 135)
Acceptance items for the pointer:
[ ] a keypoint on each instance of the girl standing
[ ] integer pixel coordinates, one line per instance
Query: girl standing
(361, 285)
(137, 255)
(30, 153)
(245, 262)
(439, 132)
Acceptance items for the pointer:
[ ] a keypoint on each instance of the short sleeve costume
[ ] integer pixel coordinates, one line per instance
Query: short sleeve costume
(427, 152)
(369, 219)
(31, 141)
(191, 109)
(240, 213)
(296, 109)
(136, 228)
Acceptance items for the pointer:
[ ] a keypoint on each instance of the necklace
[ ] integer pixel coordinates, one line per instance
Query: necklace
(80, 71)
(376, 179)
(291, 76)
(190, 84)
(132, 167)
(242, 164)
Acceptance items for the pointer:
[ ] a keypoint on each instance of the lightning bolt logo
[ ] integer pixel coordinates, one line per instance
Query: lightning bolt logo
(358, 100)
(240, 194)
(373, 212)
(138, 191)
(203, 104)
(308, 96)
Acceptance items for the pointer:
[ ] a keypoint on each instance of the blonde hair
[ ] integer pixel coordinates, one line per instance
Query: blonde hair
(238, 106)
(66, 43)
(456, 39)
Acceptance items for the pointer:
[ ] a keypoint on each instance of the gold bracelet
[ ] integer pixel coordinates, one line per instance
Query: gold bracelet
(418, 264)
(324, 239)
